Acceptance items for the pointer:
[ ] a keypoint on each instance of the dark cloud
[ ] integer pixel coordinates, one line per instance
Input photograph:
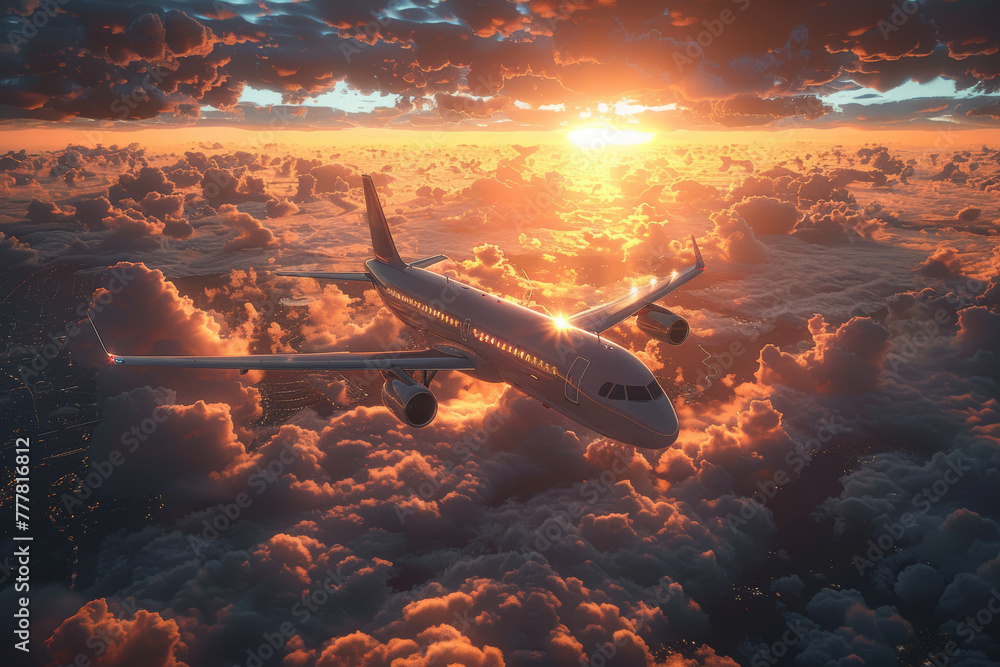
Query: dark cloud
(732, 64)
(15, 253)
(747, 110)
(848, 360)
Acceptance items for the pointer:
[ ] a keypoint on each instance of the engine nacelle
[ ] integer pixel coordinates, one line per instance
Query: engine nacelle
(663, 325)
(411, 402)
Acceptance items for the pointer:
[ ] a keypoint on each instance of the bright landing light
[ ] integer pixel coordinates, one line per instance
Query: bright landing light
(599, 137)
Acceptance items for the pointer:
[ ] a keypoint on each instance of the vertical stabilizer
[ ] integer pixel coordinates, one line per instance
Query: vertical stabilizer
(385, 249)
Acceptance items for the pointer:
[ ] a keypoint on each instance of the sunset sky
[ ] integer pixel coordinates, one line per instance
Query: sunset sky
(498, 64)
(833, 497)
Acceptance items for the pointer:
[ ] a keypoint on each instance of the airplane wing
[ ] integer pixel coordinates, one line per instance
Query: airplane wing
(603, 317)
(408, 360)
(405, 360)
(348, 275)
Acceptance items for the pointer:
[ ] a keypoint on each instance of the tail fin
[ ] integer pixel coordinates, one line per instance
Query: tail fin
(382, 243)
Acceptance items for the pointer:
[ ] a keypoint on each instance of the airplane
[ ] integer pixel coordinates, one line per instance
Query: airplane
(561, 361)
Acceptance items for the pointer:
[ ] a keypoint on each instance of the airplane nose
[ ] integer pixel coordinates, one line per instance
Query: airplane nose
(668, 424)
(661, 425)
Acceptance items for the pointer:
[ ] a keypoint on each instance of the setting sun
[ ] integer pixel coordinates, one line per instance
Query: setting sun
(600, 136)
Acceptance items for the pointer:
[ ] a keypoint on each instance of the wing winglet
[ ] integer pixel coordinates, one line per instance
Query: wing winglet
(99, 339)
(699, 263)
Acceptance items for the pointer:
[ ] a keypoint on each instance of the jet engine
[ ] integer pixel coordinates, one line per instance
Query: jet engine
(663, 325)
(411, 402)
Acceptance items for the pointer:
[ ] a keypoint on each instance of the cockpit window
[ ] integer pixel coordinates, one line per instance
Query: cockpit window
(637, 393)
(619, 392)
(655, 391)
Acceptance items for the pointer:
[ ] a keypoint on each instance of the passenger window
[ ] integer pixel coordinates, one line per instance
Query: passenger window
(617, 393)
(637, 393)
(605, 389)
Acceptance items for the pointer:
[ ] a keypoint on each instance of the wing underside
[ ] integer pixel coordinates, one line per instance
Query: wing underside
(603, 317)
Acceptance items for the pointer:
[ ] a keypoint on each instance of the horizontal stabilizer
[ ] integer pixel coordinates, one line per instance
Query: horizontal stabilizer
(428, 261)
(319, 275)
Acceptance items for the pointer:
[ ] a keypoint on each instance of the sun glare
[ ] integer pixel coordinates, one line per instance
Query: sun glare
(604, 135)
(560, 322)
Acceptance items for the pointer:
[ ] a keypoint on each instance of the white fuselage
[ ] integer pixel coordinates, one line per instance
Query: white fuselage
(590, 379)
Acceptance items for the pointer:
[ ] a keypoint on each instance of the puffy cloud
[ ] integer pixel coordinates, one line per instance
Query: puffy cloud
(136, 186)
(829, 222)
(846, 361)
(978, 329)
(175, 450)
(279, 208)
(942, 263)
(919, 584)
(252, 232)
(147, 637)
(766, 215)
(326, 327)
(15, 253)
(735, 239)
